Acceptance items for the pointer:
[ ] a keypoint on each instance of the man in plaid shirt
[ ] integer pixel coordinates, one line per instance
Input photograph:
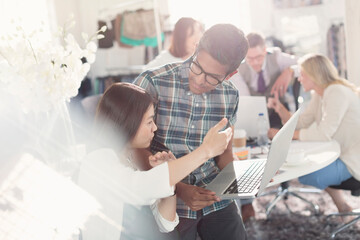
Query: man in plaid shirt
(192, 97)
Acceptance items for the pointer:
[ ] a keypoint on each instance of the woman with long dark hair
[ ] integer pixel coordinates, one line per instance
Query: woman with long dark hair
(125, 122)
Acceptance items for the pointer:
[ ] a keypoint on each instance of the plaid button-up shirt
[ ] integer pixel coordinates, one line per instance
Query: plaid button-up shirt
(184, 118)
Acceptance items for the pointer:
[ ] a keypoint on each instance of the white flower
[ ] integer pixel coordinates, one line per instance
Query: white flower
(43, 74)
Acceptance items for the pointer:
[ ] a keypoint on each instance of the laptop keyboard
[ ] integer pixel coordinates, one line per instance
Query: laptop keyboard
(249, 180)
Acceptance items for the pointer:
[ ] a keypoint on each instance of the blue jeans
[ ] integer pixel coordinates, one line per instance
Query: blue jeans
(333, 174)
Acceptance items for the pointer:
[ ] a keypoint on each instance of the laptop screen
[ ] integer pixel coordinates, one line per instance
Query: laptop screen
(248, 111)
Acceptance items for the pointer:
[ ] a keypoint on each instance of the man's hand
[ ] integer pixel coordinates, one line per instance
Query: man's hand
(274, 103)
(282, 82)
(195, 197)
(160, 157)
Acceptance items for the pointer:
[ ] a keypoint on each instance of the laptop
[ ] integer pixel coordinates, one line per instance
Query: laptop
(249, 178)
(248, 110)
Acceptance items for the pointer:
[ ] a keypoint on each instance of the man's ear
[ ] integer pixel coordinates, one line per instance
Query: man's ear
(231, 74)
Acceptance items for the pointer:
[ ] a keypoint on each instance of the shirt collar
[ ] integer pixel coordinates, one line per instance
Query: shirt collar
(264, 63)
(184, 75)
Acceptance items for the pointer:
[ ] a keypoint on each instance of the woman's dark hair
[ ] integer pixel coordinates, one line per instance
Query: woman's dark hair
(121, 110)
(179, 35)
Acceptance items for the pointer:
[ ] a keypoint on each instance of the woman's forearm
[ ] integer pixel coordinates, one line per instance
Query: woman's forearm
(181, 167)
(284, 114)
(167, 208)
(214, 144)
(296, 135)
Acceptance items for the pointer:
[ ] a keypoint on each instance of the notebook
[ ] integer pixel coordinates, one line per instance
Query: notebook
(248, 111)
(248, 178)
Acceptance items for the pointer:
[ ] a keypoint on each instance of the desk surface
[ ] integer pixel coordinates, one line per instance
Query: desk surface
(317, 156)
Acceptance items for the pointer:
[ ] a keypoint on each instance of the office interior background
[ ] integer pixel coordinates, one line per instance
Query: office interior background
(300, 26)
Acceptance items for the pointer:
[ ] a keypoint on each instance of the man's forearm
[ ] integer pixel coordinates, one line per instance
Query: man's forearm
(180, 186)
(225, 158)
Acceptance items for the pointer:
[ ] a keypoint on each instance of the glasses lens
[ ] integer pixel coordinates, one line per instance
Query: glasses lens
(195, 68)
(212, 80)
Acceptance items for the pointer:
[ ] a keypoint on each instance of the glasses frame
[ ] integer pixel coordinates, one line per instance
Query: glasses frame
(257, 58)
(203, 72)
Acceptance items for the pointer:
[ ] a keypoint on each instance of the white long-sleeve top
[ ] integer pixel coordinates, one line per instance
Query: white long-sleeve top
(103, 175)
(337, 116)
(165, 57)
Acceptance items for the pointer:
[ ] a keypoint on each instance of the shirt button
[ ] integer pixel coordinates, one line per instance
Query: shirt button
(192, 126)
(197, 105)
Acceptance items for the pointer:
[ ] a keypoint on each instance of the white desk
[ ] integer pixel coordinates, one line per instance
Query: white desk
(317, 156)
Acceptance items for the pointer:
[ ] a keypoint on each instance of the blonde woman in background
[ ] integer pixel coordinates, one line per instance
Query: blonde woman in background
(335, 109)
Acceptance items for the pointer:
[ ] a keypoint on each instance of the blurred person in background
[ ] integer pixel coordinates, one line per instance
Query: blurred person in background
(265, 71)
(334, 108)
(186, 35)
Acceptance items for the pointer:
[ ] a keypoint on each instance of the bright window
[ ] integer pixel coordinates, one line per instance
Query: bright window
(212, 12)
(27, 14)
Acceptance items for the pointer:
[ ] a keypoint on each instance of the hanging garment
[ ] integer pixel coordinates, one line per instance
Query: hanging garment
(107, 41)
(336, 49)
(138, 28)
(117, 29)
(139, 24)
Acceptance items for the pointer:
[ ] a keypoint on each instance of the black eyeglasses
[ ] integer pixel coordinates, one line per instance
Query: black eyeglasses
(209, 78)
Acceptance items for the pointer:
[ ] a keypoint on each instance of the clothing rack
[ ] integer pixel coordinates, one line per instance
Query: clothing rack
(336, 46)
(126, 4)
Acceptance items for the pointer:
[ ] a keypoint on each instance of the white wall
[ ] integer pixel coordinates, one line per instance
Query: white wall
(212, 12)
(352, 28)
(270, 21)
(261, 16)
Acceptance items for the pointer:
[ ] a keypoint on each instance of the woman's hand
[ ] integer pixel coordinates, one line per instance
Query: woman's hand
(272, 132)
(216, 141)
(161, 157)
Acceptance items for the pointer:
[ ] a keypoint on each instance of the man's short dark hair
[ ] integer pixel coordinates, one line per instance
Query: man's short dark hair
(255, 39)
(225, 43)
